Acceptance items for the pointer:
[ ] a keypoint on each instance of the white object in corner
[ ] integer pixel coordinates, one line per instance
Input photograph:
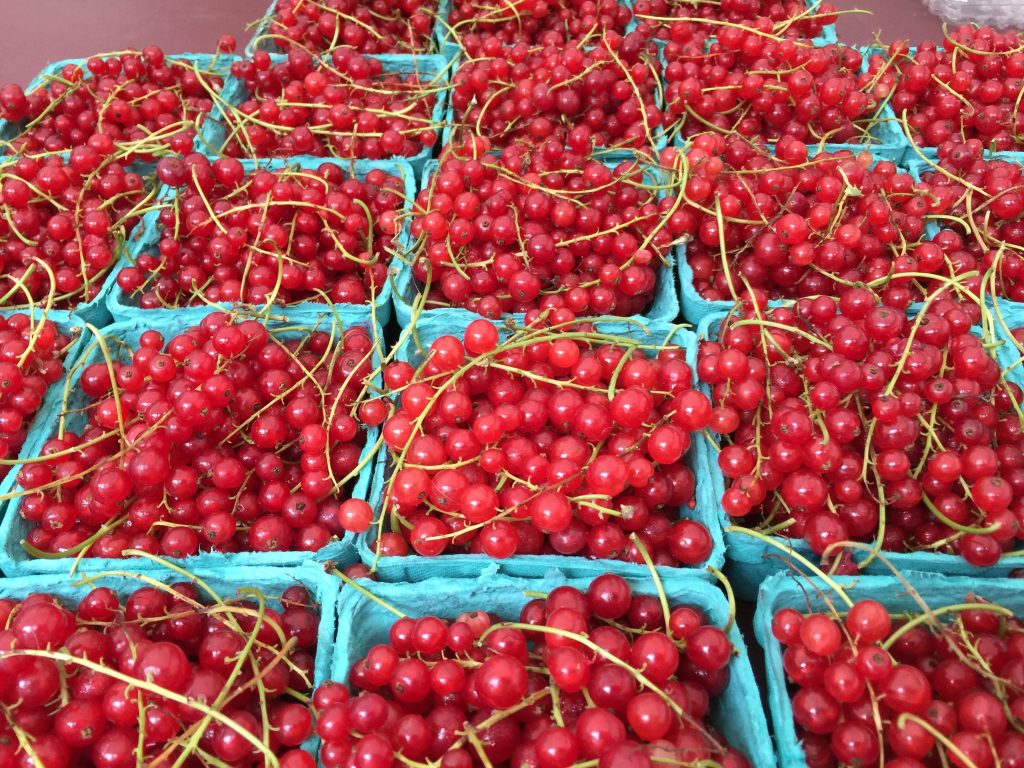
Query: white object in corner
(1002, 14)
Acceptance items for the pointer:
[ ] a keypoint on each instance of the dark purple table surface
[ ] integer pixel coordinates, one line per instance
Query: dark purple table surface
(37, 32)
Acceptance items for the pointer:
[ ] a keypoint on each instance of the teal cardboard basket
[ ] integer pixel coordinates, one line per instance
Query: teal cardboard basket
(664, 306)
(695, 308)
(272, 582)
(918, 167)
(214, 133)
(363, 623)
(750, 561)
(452, 49)
(219, 64)
(258, 41)
(15, 561)
(608, 155)
(885, 138)
(74, 329)
(94, 310)
(827, 36)
(804, 594)
(914, 153)
(414, 567)
(123, 307)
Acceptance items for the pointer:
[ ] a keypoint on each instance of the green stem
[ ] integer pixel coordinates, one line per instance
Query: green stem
(925, 618)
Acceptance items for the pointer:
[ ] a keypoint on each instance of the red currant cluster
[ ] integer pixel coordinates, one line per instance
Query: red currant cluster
(874, 687)
(675, 20)
(554, 441)
(689, 46)
(105, 683)
(551, 228)
(481, 690)
(981, 205)
(62, 225)
(227, 437)
(606, 94)
(847, 420)
(265, 236)
(785, 226)
(489, 24)
(348, 107)
(31, 359)
(140, 102)
(761, 89)
(966, 87)
(367, 26)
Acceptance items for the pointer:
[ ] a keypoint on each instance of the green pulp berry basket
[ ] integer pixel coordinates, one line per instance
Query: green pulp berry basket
(239, 581)
(219, 65)
(695, 307)
(813, 594)
(412, 567)
(407, 292)
(827, 36)
(750, 561)
(15, 561)
(363, 623)
(147, 236)
(94, 310)
(260, 42)
(436, 68)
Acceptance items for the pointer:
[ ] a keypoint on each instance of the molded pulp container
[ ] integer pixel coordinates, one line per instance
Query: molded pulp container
(664, 307)
(885, 138)
(219, 64)
(414, 567)
(695, 308)
(77, 331)
(272, 582)
(807, 594)
(750, 561)
(95, 311)
(15, 561)
(452, 49)
(214, 133)
(827, 36)
(608, 155)
(362, 623)
(263, 26)
(914, 153)
(147, 237)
